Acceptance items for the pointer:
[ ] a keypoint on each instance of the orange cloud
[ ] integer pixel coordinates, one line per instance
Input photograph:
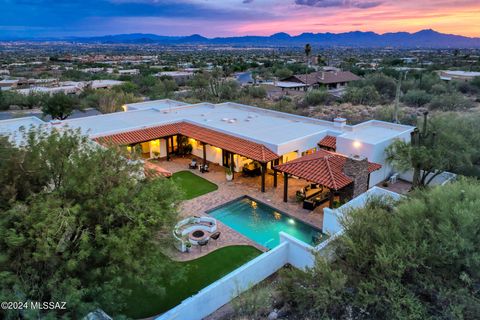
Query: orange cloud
(390, 17)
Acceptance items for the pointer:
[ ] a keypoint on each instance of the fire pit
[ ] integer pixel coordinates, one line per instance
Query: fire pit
(197, 235)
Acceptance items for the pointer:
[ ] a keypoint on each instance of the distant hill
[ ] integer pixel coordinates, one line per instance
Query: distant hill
(422, 39)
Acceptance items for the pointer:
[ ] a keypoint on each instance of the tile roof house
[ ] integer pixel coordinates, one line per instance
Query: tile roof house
(231, 134)
(328, 79)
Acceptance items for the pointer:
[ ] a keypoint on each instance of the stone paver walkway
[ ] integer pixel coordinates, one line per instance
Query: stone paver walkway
(230, 190)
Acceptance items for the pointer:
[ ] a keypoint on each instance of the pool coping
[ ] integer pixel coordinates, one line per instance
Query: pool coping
(271, 207)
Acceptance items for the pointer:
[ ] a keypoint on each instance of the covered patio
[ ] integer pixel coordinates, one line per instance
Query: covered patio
(209, 145)
(333, 177)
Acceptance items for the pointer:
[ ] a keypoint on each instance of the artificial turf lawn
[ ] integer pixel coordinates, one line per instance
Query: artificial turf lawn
(192, 185)
(199, 273)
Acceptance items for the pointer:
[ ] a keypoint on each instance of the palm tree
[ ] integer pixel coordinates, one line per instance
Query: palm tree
(308, 50)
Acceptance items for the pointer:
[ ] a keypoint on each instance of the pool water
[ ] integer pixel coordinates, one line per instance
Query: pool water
(262, 223)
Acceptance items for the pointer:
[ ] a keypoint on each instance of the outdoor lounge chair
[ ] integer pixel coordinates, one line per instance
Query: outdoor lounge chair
(193, 164)
(203, 168)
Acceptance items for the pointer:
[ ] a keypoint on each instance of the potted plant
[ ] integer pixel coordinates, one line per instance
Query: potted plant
(229, 174)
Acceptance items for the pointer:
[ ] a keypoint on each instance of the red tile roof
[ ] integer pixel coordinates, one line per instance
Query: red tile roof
(246, 148)
(322, 167)
(329, 142)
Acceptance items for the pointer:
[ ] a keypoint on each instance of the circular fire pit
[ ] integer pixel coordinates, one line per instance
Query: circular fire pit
(197, 235)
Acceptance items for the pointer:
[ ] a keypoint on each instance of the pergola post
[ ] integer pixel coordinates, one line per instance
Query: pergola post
(264, 169)
(285, 187)
(167, 142)
(204, 154)
(332, 196)
(275, 172)
(232, 165)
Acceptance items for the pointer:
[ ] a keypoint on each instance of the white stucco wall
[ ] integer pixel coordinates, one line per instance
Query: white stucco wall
(332, 217)
(373, 152)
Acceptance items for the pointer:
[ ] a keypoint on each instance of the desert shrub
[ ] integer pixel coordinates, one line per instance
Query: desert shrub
(451, 102)
(317, 97)
(417, 261)
(256, 92)
(416, 98)
(362, 95)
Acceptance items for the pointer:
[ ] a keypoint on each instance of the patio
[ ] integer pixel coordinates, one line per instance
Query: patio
(230, 190)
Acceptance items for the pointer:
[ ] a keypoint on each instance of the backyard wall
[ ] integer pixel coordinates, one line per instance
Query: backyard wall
(332, 217)
(441, 179)
(225, 289)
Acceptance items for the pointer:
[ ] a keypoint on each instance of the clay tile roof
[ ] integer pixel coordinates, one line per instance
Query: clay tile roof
(329, 142)
(322, 167)
(246, 148)
(140, 135)
(327, 77)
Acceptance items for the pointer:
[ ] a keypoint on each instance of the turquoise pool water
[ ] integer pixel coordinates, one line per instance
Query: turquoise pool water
(262, 223)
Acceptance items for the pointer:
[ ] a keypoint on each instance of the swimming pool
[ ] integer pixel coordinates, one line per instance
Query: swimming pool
(262, 223)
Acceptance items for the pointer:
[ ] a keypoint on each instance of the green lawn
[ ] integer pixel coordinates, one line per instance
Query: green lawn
(199, 273)
(192, 185)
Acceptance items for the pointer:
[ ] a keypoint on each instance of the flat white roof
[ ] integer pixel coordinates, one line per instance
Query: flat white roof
(155, 104)
(285, 84)
(462, 73)
(268, 127)
(175, 73)
(12, 127)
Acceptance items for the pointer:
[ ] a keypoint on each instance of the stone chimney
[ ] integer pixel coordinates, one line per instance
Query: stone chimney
(356, 168)
(339, 122)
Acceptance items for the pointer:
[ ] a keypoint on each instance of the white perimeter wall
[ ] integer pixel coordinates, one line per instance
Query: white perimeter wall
(441, 179)
(331, 217)
(220, 292)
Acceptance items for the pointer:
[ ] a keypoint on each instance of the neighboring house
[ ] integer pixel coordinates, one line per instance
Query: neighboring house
(458, 75)
(71, 87)
(130, 72)
(180, 77)
(50, 90)
(326, 79)
(104, 84)
(8, 84)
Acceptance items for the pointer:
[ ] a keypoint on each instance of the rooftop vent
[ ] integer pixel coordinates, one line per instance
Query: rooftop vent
(232, 120)
(224, 119)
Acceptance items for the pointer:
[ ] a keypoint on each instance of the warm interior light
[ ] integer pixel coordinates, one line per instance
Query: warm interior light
(357, 144)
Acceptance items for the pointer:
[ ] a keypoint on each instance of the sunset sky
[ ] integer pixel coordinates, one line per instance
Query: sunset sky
(43, 18)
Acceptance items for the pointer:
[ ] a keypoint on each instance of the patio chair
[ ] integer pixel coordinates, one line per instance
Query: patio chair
(202, 243)
(193, 164)
(215, 236)
(393, 178)
(204, 168)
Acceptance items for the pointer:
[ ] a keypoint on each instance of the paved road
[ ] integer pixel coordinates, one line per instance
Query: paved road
(4, 115)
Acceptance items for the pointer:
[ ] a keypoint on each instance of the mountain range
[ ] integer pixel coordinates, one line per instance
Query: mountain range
(421, 39)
